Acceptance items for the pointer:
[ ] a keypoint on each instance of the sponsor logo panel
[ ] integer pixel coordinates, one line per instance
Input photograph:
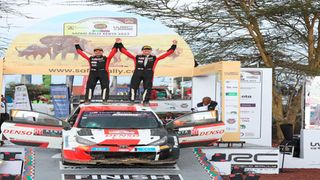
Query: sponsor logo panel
(146, 149)
(258, 160)
(100, 149)
(17, 132)
(121, 134)
(35, 132)
(315, 145)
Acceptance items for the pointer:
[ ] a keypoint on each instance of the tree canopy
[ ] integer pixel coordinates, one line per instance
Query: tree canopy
(8, 10)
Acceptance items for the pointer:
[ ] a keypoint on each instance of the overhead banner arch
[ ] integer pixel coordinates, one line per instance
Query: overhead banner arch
(48, 47)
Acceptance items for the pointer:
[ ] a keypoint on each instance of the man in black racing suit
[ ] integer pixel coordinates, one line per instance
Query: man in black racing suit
(145, 65)
(99, 70)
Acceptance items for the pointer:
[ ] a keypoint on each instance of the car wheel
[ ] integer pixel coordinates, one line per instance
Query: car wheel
(175, 153)
(65, 163)
(62, 159)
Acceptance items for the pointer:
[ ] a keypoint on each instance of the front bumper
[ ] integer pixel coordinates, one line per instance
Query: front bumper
(124, 161)
(112, 155)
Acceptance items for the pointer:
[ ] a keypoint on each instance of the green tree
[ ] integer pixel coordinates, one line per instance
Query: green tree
(8, 10)
(34, 90)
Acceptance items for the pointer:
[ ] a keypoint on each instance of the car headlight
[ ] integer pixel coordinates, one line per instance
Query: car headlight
(84, 141)
(160, 142)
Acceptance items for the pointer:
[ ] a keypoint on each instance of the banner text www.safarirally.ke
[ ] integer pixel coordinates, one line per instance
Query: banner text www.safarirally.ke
(86, 70)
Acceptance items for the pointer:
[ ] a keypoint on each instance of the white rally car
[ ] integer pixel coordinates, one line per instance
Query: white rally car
(113, 134)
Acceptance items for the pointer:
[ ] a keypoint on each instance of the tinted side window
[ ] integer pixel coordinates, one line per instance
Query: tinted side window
(195, 119)
(31, 117)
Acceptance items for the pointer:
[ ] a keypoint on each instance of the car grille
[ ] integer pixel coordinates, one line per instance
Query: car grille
(122, 155)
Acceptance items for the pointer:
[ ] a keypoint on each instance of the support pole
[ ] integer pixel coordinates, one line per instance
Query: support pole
(1, 73)
(303, 95)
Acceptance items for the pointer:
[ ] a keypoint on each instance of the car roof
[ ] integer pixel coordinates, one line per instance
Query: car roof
(114, 107)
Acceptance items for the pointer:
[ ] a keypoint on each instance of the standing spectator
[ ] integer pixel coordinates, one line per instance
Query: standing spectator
(162, 94)
(9, 99)
(207, 104)
(189, 93)
(168, 118)
(3, 110)
(178, 91)
(154, 94)
(4, 101)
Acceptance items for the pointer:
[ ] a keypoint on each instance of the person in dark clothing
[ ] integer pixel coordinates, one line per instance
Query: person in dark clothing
(145, 65)
(4, 102)
(3, 111)
(168, 118)
(154, 94)
(207, 102)
(99, 67)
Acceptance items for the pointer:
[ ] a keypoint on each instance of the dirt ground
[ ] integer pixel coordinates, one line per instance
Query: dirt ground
(294, 174)
(291, 174)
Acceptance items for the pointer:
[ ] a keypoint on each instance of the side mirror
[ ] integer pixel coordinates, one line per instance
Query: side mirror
(66, 126)
(169, 126)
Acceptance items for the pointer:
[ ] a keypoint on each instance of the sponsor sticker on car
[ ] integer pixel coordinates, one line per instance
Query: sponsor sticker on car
(100, 149)
(146, 149)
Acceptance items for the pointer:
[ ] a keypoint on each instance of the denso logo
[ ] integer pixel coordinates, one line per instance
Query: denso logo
(211, 132)
(19, 132)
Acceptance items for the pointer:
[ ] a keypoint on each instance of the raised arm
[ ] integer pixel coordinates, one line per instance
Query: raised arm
(80, 51)
(169, 51)
(111, 54)
(125, 51)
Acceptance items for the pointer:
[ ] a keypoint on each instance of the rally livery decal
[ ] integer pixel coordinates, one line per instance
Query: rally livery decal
(115, 134)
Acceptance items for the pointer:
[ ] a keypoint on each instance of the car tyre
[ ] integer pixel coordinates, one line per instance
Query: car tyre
(62, 159)
(65, 163)
(175, 153)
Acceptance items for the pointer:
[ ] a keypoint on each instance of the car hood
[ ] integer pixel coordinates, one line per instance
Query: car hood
(122, 136)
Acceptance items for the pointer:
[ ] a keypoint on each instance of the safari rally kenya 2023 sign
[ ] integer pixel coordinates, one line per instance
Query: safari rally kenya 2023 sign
(48, 47)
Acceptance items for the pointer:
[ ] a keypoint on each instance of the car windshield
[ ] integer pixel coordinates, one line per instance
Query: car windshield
(118, 120)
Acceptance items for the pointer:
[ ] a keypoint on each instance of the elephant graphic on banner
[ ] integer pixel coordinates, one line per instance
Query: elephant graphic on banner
(63, 45)
(34, 50)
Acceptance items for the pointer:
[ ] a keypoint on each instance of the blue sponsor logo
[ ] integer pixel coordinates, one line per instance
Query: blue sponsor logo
(99, 149)
(146, 149)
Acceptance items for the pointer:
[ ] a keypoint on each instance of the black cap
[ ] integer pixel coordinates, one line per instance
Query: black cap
(145, 47)
(98, 49)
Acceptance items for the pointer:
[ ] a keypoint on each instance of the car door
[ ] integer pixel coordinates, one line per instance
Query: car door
(29, 128)
(197, 128)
